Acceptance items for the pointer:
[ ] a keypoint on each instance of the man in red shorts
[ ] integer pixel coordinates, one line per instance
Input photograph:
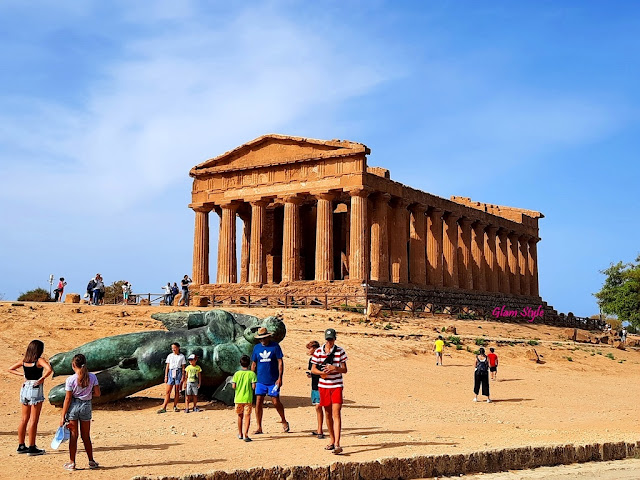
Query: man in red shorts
(330, 362)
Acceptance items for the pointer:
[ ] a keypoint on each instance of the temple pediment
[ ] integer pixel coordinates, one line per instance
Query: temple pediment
(270, 150)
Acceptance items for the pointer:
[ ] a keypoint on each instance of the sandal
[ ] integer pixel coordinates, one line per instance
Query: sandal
(196, 409)
(330, 447)
(337, 450)
(162, 410)
(186, 410)
(258, 432)
(176, 409)
(93, 464)
(285, 427)
(69, 466)
(320, 436)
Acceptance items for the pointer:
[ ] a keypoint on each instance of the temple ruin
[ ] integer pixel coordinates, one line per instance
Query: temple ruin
(318, 221)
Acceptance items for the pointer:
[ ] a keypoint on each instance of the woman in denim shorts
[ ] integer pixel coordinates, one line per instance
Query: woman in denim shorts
(81, 387)
(34, 370)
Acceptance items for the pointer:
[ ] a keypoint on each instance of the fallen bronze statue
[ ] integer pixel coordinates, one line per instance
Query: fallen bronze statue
(135, 361)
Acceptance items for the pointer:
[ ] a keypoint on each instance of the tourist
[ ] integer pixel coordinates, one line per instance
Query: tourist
(330, 362)
(174, 292)
(34, 371)
(493, 363)
(81, 387)
(186, 281)
(126, 291)
(90, 286)
(167, 293)
(267, 362)
(59, 290)
(173, 376)
(98, 290)
(194, 380)
(481, 376)
(315, 394)
(623, 335)
(244, 383)
(438, 347)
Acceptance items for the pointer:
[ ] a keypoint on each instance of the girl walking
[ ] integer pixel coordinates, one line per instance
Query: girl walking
(81, 387)
(481, 376)
(34, 369)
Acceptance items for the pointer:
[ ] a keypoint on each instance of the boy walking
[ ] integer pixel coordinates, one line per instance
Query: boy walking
(173, 376)
(493, 363)
(194, 379)
(438, 347)
(244, 383)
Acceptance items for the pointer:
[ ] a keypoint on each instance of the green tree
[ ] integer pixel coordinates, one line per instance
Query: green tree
(36, 295)
(113, 293)
(620, 294)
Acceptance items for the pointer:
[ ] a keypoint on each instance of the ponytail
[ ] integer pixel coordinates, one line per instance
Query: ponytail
(80, 362)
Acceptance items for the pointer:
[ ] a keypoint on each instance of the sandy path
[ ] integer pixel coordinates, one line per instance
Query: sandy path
(398, 403)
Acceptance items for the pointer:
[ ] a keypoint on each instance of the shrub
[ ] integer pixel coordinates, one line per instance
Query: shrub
(570, 359)
(458, 347)
(467, 316)
(533, 342)
(36, 295)
(455, 340)
(444, 329)
(610, 355)
(481, 342)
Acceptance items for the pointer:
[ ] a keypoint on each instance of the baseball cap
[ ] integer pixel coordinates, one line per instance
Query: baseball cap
(193, 356)
(329, 334)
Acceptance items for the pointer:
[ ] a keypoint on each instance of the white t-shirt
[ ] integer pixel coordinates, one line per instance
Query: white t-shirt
(175, 361)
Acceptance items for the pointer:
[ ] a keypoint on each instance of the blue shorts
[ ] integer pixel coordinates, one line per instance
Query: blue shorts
(31, 394)
(177, 380)
(315, 397)
(79, 410)
(271, 390)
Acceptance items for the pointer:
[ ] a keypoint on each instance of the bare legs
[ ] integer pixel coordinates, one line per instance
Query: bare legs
(85, 433)
(259, 407)
(320, 416)
(167, 396)
(334, 422)
(29, 412)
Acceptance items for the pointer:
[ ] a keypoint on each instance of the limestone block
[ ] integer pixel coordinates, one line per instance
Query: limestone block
(177, 299)
(199, 301)
(532, 355)
(582, 336)
(619, 345)
(451, 329)
(570, 333)
(373, 309)
(144, 301)
(72, 298)
(604, 339)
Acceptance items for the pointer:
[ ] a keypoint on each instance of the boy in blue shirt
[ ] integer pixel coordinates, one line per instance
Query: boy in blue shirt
(267, 362)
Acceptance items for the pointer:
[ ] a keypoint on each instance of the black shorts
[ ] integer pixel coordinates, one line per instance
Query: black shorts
(493, 369)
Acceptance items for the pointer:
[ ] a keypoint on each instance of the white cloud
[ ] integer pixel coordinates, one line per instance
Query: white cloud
(176, 98)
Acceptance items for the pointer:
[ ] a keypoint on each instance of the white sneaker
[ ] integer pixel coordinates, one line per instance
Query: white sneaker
(488, 400)
(475, 399)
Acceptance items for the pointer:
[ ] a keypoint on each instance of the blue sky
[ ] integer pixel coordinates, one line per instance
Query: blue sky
(104, 107)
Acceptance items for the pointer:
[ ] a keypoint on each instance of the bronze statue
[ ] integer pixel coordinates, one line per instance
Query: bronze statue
(135, 361)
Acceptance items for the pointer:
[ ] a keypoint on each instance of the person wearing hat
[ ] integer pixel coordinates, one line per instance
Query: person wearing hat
(194, 379)
(267, 362)
(330, 362)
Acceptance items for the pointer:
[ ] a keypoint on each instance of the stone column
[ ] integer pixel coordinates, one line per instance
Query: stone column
(503, 267)
(477, 255)
(434, 247)
(450, 250)
(465, 263)
(201, 246)
(227, 263)
(244, 249)
(417, 245)
(257, 264)
(380, 239)
(491, 265)
(358, 248)
(324, 237)
(523, 261)
(533, 267)
(514, 270)
(291, 270)
(398, 242)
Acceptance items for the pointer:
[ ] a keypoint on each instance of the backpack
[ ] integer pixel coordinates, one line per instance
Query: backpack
(174, 290)
(483, 366)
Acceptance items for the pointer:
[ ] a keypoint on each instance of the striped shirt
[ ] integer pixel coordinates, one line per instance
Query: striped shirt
(333, 380)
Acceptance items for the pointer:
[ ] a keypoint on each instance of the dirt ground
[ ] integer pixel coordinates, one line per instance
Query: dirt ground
(397, 402)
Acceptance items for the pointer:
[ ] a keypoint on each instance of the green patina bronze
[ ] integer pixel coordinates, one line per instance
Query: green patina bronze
(135, 361)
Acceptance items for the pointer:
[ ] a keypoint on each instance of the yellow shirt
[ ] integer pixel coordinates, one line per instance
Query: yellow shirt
(439, 345)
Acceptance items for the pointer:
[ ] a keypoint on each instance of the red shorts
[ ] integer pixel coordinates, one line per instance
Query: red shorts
(330, 396)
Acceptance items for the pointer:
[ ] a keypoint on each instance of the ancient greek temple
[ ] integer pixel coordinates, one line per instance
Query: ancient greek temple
(316, 219)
